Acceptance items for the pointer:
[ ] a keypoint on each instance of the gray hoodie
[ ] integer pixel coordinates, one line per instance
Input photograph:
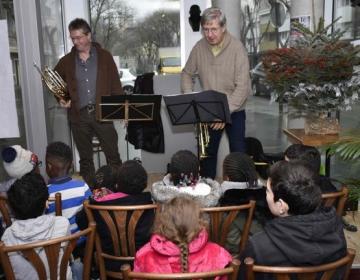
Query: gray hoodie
(42, 228)
(207, 192)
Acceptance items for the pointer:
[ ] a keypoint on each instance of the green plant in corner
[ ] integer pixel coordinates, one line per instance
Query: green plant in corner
(348, 149)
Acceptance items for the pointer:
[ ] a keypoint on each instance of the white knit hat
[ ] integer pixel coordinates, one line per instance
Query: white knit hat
(18, 161)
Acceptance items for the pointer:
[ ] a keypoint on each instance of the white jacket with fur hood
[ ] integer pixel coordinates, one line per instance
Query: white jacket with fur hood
(206, 191)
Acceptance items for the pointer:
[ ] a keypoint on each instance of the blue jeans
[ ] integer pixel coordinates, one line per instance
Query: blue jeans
(236, 135)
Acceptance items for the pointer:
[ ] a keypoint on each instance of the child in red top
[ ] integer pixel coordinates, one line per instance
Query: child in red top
(180, 242)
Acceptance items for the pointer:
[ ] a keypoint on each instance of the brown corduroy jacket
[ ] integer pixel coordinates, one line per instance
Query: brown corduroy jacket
(107, 80)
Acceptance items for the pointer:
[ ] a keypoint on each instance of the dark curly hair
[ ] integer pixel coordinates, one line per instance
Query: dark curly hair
(132, 177)
(60, 152)
(106, 177)
(239, 167)
(306, 153)
(296, 183)
(27, 196)
(183, 163)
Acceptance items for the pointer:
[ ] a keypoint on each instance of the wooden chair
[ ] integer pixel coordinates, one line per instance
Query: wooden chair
(221, 219)
(5, 208)
(5, 211)
(52, 249)
(58, 203)
(336, 199)
(121, 222)
(231, 272)
(302, 273)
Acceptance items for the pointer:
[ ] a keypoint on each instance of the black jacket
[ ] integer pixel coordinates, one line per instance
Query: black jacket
(301, 240)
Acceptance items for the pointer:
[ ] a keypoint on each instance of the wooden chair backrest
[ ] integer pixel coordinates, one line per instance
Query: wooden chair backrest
(336, 199)
(121, 222)
(5, 211)
(5, 208)
(52, 249)
(58, 203)
(302, 273)
(221, 219)
(231, 272)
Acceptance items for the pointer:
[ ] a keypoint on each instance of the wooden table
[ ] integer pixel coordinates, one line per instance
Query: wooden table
(298, 136)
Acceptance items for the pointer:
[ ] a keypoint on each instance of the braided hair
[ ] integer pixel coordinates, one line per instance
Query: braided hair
(180, 221)
(239, 167)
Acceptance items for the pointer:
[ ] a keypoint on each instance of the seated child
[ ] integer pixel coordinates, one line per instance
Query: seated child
(241, 185)
(312, 156)
(303, 233)
(73, 191)
(131, 180)
(28, 199)
(105, 181)
(184, 179)
(17, 162)
(180, 242)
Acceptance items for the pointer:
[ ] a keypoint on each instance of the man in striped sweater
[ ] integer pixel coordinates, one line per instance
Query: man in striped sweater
(59, 161)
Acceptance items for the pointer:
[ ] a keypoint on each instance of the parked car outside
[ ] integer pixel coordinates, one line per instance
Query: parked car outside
(127, 80)
(258, 81)
(170, 65)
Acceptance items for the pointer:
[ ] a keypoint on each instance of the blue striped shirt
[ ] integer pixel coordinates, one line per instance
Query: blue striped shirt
(73, 193)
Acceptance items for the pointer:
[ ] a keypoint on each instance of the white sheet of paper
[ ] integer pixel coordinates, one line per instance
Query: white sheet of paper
(9, 126)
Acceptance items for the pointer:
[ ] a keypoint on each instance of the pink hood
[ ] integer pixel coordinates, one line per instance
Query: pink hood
(163, 256)
(165, 247)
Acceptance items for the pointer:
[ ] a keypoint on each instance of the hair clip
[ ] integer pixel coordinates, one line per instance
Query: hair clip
(186, 180)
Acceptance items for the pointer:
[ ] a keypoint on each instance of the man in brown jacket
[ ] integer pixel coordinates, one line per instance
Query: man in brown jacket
(90, 72)
(222, 65)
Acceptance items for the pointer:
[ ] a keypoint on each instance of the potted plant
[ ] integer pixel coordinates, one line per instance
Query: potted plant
(348, 149)
(316, 76)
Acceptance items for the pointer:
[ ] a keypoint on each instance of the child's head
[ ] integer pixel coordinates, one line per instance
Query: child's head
(308, 154)
(239, 167)
(28, 196)
(58, 159)
(292, 189)
(18, 161)
(179, 221)
(106, 177)
(183, 164)
(132, 178)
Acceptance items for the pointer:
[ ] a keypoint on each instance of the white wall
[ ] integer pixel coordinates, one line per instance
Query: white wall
(188, 36)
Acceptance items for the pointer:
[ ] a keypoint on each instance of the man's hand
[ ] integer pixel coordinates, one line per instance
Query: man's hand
(65, 104)
(217, 125)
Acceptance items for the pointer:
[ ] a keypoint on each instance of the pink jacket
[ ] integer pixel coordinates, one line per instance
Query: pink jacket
(163, 256)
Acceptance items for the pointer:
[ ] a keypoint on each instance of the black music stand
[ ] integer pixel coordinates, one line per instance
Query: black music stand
(135, 107)
(194, 108)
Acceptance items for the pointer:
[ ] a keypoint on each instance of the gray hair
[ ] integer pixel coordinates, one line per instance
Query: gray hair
(211, 14)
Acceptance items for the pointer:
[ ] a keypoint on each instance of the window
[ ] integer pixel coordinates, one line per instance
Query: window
(134, 31)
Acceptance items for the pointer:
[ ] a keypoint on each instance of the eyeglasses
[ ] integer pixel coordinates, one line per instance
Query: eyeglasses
(211, 30)
(77, 38)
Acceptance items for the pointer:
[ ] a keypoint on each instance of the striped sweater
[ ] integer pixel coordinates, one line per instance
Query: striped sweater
(73, 193)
